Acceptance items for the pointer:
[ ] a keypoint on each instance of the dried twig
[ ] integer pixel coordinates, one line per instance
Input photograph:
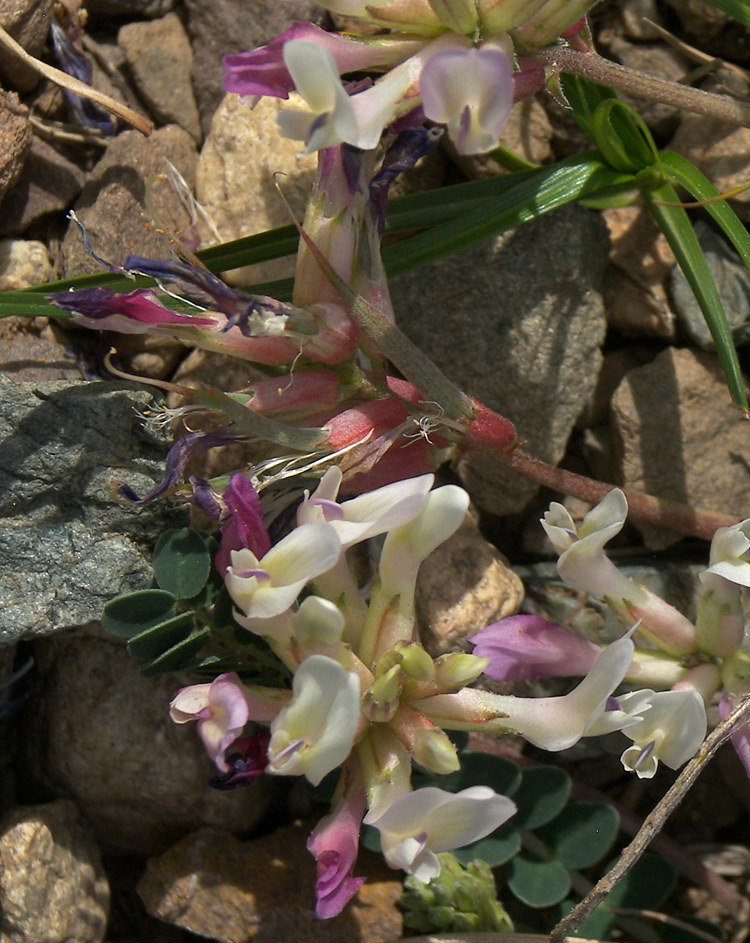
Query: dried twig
(72, 84)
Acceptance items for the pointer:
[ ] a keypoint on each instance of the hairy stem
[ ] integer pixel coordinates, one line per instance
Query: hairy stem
(643, 507)
(597, 69)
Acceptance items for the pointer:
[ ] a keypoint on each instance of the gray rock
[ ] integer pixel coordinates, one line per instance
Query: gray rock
(225, 26)
(66, 547)
(516, 321)
(48, 183)
(27, 21)
(677, 435)
(15, 139)
(159, 57)
(732, 281)
(52, 885)
(112, 205)
(100, 732)
(23, 263)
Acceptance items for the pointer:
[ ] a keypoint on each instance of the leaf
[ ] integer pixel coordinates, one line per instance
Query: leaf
(181, 562)
(675, 224)
(159, 638)
(486, 769)
(538, 883)
(542, 795)
(622, 137)
(582, 833)
(133, 613)
(178, 656)
(496, 849)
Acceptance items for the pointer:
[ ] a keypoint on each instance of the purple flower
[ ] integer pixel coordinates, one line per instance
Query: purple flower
(247, 759)
(243, 526)
(741, 736)
(523, 647)
(334, 843)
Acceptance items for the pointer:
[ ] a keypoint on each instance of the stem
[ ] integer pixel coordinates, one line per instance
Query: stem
(597, 69)
(643, 507)
(653, 823)
(75, 85)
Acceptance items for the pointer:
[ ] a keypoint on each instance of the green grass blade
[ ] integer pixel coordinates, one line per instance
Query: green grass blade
(545, 190)
(739, 9)
(675, 224)
(688, 176)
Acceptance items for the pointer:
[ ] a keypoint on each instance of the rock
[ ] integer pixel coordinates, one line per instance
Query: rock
(23, 263)
(234, 892)
(66, 547)
(700, 18)
(635, 292)
(463, 586)
(721, 151)
(236, 183)
(159, 56)
(15, 139)
(99, 731)
(677, 435)
(49, 182)
(106, 9)
(732, 281)
(615, 365)
(27, 21)
(112, 205)
(633, 14)
(225, 26)
(517, 321)
(29, 355)
(52, 885)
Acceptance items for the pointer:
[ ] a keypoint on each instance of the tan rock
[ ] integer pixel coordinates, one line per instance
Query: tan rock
(721, 151)
(463, 586)
(677, 435)
(635, 285)
(100, 732)
(52, 885)
(23, 262)
(235, 892)
(236, 178)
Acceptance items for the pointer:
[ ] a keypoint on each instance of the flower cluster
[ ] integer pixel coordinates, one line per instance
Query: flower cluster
(686, 665)
(366, 698)
(461, 63)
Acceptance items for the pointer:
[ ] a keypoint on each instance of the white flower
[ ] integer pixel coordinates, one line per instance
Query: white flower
(418, 825)
(470, 91)
(670, 726)
(369, 514)
(267, 587)
(315, 733)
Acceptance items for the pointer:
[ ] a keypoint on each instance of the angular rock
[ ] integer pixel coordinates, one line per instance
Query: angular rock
(15, 139)
(112, 205)
(516, 321)
(677, 435)
(159, 56)
(23, 263)
(33, 356)
(235, 892)
(700, 18)
(66, 547)
(99, 731)
(733, 284)
(462, 586)
(225, 26)
(235, 180)
(27, 21)
(49, 182)
(52, 885)
(635, 284)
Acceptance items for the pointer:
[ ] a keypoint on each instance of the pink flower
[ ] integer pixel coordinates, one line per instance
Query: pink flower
(334, 844)
(523, 647)
(243, 525)
(741, 736)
